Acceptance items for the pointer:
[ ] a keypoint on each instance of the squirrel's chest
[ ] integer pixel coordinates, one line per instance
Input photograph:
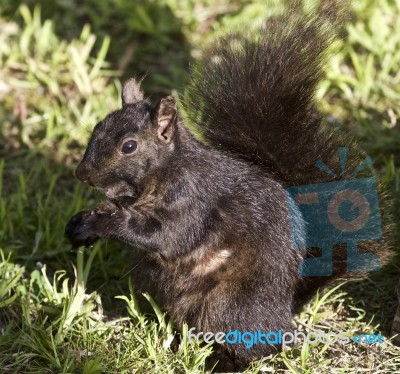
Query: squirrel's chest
(187, 284)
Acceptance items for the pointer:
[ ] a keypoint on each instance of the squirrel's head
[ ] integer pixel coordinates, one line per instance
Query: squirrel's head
(129, 144)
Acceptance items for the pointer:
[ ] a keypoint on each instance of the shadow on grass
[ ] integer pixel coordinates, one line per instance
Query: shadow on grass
(376, 295)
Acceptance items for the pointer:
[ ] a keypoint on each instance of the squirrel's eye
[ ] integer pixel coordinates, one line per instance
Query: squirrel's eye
(129, 147)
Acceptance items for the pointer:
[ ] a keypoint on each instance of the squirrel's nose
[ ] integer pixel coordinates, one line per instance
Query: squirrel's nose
(82, 173)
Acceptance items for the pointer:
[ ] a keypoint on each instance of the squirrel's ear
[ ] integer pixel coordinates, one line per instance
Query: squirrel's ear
(131, 92)
(166, 118)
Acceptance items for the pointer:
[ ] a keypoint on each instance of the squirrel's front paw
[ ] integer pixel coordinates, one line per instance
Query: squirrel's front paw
(80, 229)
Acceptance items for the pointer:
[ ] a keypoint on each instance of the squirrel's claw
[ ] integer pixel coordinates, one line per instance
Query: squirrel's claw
(80, 229)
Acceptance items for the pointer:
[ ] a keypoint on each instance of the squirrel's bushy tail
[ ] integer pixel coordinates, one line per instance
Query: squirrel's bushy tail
(252, 94)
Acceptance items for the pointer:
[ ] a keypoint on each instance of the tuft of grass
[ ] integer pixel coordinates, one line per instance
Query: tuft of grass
(61, 328)
(11, 276)
(51, 90)
(148, 37)
(362, 88)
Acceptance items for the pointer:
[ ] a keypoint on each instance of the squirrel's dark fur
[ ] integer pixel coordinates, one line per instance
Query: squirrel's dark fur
(208, 221)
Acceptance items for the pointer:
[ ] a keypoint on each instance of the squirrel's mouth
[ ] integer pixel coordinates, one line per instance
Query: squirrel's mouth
(121, 197)
(118, 191)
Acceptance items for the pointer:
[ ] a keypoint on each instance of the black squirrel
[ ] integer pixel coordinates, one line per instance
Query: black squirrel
(209, 219)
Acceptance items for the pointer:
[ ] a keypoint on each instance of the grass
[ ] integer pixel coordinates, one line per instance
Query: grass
(62, 311)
